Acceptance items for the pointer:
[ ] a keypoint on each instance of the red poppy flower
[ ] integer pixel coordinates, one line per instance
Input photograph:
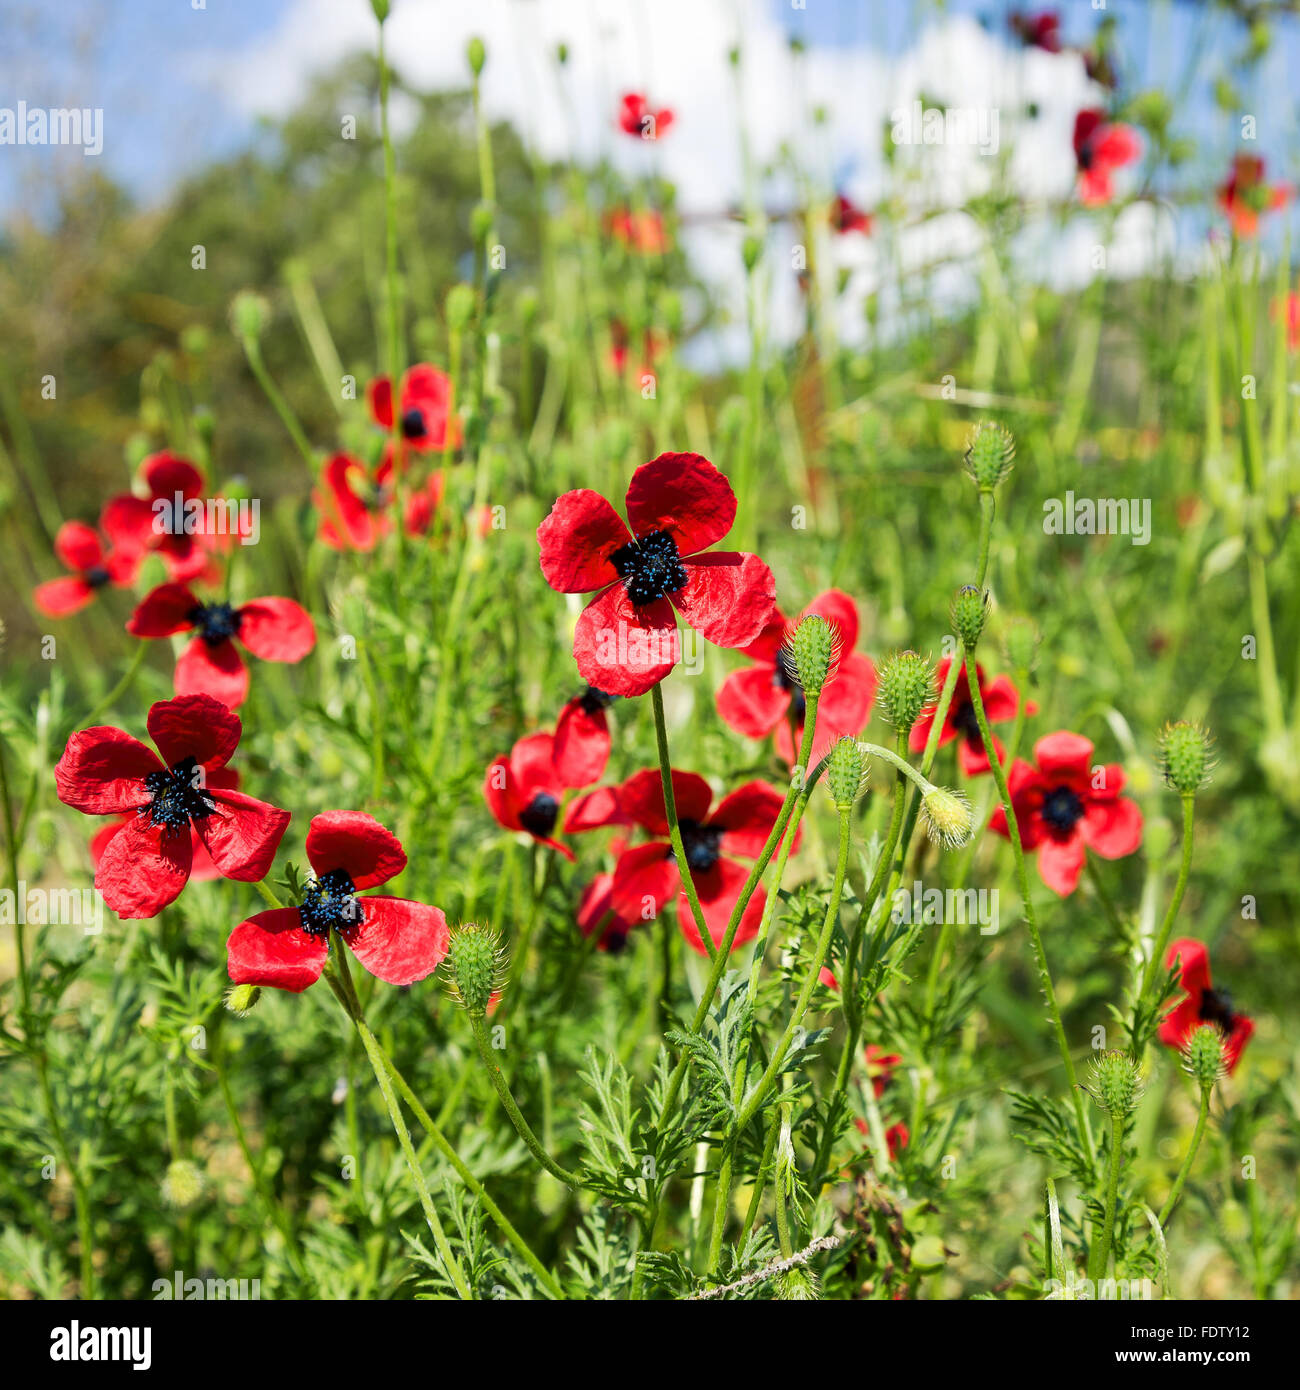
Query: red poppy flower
(1001, 701)
(397, 940)
(896, 1136)
(425, 405)
(354, 504)
(1290, 309)
(678, 505)
(1203, 1004)
(647, 875)
(847, 217)
(596, 913)
(1041, 30)
(880, 1067)
(642, 231)
(761, 699)
(82, 551)
(1245, 195)
(582, 738)
(1101, 147)
(524, 790)
(137, 520)
(202, 869)
(275, 629)
(636, 117)
(1064, 807)
(105, 772)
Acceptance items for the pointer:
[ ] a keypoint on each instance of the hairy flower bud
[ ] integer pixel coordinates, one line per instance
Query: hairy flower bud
(990, 454)
(1115, 1083)
(797, 1284)
(751, 249)
(1185, 756)
(240, 999)
(947, 816)
(183, 1184)
(476, 54)
(1203, 1055)
(968, 611)
(477, 962)
(905, 689)
(1020, 638)
(812, 649)
(460, 307)
(248, 315)
(846, 770)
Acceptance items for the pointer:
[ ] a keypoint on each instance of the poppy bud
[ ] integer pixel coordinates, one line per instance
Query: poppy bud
(529, 306)
(751, 250)
(1185, 756)
(968, 610)
(460, 307)
(947, 815)
(380, 8)
(561, 53)
(1020, 639)
(990, 454)
(183, 1184)
(1115, 1083)
(797, 1284)
(477, 55)
(812, 650)
(240, 999)
(1203, 1055)
(845, 772)
(476, 964)
(480, 221)
(905, 689)
(248, 315)
(205, 424)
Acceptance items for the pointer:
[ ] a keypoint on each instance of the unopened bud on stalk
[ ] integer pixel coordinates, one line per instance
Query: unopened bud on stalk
(797, 1285)
(476, 54)
(990, 454)
(846, 770)
(1203, 1055)
(248, 315)
(1115, 1083)
(751, 250)
(561, 53)
(811, 650)
(183, 1184)
(947, 816)
(1185, 756)
(529, 306)
(460, 307)
(905, 689)
(380, 8)
(480, 221)
(1020, 639)
(477, 964)
(240, 999)
(969, 610)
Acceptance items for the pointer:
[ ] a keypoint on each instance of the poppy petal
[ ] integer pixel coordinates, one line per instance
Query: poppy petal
(581, 745)
(577, 539)
(841, 611)
(366, 851)
(622, 649)
(642, 799)
(272, 949)
(746, 818)
(127, 521)
(102, 772)
(729, 597)
(752, 702)
(847, 698)
(719, 889)
(276, 629)
(1112, 828)
(215, 671)
(163, 611)
(165, 474)
(195, 726)
(58, 598)
(645, 878)
(379, 397)
(143, 869)
(1060, 863)
(78, 546)
(685, 495)
(594, 809)
(242, 834)
(1064, 755)
(399, 941)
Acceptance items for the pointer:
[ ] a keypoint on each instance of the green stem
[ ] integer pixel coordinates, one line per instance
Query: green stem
(1099, 1255)
(120, 689)
(1180, 887)
(253, 352)
(1176, 1190)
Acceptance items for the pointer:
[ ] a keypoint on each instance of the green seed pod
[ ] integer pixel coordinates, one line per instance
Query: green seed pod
(845, 772)
(1115, 1083)
(968, 610)
(480, 221)
(183, 1184)
(1020, 638)
(248, 315)
(460, 307)
(947, 815)
(990, 454)
(476, 54)
(751, 250)
(240, 999)
(1203, 1055)
(561, 53)
(1185, 756)
(477, 962)
(797, 1285)
(380, 8)
(812, 651)
(905, 689)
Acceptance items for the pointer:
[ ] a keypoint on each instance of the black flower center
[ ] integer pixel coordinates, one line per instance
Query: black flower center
(702, 844)
(539, 816)
(216, 622)
(413, 426)
(595, 700)
(1062, 806)
(329, 904)
(966, 724)
(649, 567)
(784, 678)
(1216, 1007)
(177, 797)
(96, 576)
(1085, 155)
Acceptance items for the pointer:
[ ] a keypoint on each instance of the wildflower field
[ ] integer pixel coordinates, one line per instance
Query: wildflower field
(564, 738)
